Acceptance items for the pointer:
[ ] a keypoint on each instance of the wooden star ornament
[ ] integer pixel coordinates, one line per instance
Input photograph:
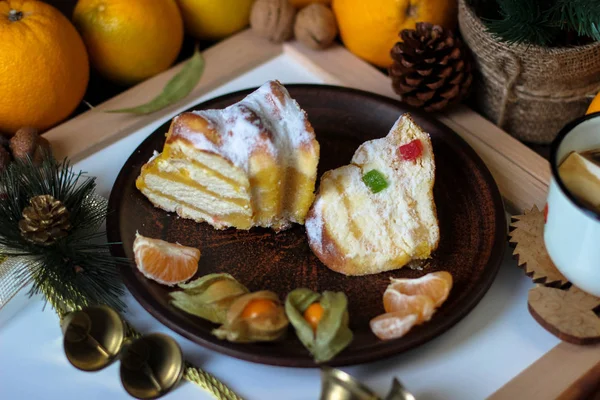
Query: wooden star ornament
(527, 236)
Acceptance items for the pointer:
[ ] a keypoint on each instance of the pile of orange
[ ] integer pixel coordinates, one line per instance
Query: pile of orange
(409, 302)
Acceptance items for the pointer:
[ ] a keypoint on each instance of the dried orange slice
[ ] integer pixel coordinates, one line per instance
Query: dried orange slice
(419, 305)
(164, 262)
(435, 285)
(393, 325)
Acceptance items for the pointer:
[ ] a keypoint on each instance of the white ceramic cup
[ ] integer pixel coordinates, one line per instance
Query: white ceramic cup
(572, 231)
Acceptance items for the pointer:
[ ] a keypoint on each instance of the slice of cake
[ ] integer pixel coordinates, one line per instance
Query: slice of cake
(253, 163)
(378, 213)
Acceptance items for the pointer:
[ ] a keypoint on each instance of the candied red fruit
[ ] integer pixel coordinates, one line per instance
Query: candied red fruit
(411, 151)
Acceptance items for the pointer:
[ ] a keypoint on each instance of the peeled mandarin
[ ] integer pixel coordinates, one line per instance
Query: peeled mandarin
(164, 262)
(435, 285)
(313, 315)
(392, 325)
(258, 307)
(419, 305)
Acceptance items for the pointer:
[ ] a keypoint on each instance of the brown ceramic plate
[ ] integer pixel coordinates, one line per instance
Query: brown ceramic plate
(470, 213)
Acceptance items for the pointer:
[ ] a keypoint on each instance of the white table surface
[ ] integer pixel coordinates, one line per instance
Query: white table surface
(495, 342)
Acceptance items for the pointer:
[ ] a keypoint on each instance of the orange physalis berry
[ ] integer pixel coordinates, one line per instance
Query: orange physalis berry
(313, 315)
(258, 307)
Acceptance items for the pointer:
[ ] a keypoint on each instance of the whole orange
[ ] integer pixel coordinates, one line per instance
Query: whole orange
(595, 105)
(130, 40)
(44, 68)
(214, 19)
(370, 29)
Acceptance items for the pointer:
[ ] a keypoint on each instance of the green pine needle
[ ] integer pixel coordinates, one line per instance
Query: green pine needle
(582, 16)
(81, 260)
(546, 23)
(523, 21)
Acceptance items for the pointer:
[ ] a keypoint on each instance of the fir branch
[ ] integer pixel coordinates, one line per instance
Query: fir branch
(524, 21)
(79, 267)
(581, 16)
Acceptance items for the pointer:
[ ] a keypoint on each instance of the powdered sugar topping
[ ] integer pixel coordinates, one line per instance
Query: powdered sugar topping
(267, 118)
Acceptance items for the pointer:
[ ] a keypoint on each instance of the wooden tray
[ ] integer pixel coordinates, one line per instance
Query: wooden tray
(470, 213)
(521, 174)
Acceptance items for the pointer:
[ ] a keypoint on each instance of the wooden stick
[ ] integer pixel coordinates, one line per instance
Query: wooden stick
(96, 129)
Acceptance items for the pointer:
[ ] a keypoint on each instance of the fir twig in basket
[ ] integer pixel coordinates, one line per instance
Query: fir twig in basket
(549, 23)
(49, 226)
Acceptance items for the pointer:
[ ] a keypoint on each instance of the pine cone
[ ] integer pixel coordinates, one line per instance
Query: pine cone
(45, 220)
(432, 67)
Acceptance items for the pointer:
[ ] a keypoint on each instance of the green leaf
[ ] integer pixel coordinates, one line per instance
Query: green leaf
(296, 303)
(333, 334)
(200, 284)
(375, 181)
(213, 312)
(209, 296)
(265, 327)
(176, 89)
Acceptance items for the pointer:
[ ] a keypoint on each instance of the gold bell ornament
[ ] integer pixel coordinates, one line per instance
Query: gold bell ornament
(338, 385)
(151, 365)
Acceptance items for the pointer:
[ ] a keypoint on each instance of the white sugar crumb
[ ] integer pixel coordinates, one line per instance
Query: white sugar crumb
(154, 155)
(314, 227)
(241, 132)
(262, 120)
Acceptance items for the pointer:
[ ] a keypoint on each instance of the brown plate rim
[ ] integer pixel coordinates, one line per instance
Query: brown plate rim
(393, 347)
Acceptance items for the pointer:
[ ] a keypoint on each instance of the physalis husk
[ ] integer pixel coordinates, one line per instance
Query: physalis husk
(209, 296)
(254, 317)
(332, 334)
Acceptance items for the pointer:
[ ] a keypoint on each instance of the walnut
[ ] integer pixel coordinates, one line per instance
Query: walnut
(273, 19)
(316, 26)
(24, 143)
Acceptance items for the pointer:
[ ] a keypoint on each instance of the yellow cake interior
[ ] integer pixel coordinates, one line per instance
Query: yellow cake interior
(251, 164)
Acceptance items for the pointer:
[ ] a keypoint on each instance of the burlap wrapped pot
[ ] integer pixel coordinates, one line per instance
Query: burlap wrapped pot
(529, 91)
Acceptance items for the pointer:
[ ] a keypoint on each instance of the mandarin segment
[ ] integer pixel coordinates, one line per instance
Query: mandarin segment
(409, 302)
(419, 305)
(435, 285)
(164, 262)
(392, 325)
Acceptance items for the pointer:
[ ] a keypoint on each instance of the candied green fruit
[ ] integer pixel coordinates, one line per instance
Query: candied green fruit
(375, 181)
